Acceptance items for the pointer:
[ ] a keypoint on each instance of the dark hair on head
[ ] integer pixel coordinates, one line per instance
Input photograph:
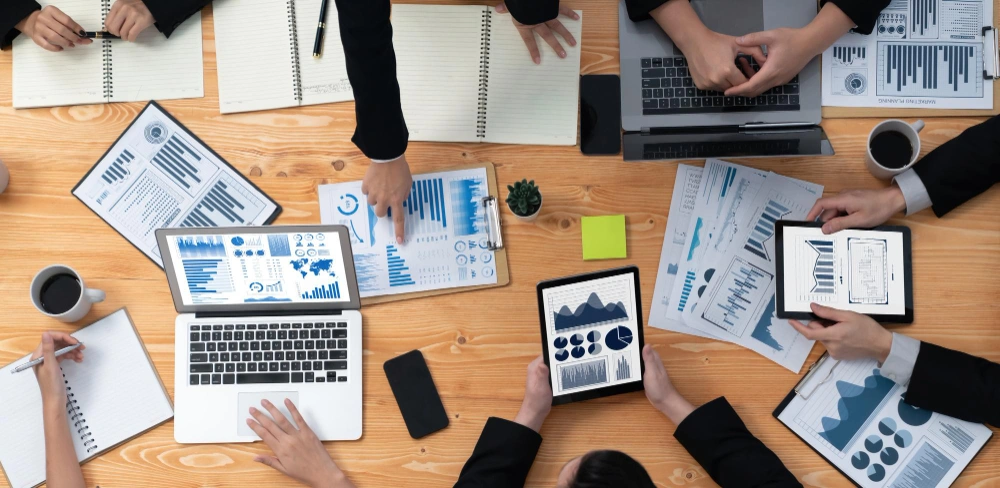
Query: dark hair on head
(603, 469)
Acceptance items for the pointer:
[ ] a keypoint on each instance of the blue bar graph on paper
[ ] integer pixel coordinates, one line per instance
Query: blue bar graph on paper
(118, 170)
(467, 207)
(207, 276)
(398, 271)
(764, 228)
(734, 301)
(226, 203)
(182, 164)
(278, 245)
(425, 207)
(325, 292)
(201, 246)
(823, 274)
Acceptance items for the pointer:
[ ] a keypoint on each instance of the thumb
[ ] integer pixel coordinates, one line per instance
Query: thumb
(502, 8)
(271, 461)
(829, 313)
(756, 39)
(840, 223)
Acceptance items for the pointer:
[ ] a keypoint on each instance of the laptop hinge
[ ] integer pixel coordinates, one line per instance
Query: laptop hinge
(775, 125)
(265, 313)
(716, 129)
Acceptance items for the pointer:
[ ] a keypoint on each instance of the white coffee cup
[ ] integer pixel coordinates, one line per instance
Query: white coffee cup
(893, 125)
(88, 296)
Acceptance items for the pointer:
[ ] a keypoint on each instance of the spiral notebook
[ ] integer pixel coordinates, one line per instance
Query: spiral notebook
(114, 395)
(465, 75)
(151, 68)
(265, 59)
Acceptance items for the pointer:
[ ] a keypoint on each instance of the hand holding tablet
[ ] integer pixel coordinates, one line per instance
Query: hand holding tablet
(867, 271)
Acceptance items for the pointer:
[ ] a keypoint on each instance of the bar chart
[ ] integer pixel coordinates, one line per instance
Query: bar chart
(930, 70)
(850, 55)
(201, 247)
(184, 165)
(207, 276)
(743, 287)
(226, 203)
(118, 172)
(398, 270)
(466, 200)
(325, 292)
(425, 207)
(763, 229)
(822, 269)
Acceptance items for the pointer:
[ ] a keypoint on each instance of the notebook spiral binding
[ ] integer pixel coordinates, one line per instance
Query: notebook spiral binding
(109, 84)
(484, 75)
(77, 419)
(293, 38)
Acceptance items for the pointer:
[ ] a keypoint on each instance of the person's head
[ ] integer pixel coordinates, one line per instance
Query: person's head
(602, 469)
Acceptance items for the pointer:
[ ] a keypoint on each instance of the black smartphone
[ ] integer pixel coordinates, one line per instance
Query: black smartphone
(415, 394)
(600, 114)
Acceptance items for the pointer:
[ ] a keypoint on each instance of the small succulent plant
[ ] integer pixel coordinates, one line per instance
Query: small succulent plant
(524, 198)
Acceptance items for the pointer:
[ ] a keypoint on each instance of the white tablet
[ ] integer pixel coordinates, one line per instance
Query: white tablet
(864, 270)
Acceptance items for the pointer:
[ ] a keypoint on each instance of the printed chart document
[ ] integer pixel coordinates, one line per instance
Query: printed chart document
(737, 304)
(922, 54)
(160, 175)
(859, 270)
(151, 68)
(857, 419)
(446, 234)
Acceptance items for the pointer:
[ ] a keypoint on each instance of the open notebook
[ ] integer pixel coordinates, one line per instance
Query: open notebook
(465, 76)
(264, 52)
(115, 395)
(152, 68)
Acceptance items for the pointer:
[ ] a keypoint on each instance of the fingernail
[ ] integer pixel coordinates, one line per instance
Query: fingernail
(536, 60)
(399, 240)
(572, 43)
(252, 411)
(248, 421)
(562, 54)
(264, 402)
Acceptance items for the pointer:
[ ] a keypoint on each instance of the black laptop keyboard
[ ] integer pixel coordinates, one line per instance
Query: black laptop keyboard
(668, 89)
(268, 353)
(699, 150)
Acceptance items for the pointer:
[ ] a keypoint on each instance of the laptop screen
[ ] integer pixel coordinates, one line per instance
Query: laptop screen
(260, 267)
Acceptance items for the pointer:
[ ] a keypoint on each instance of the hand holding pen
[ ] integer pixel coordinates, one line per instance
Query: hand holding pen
(48, 374)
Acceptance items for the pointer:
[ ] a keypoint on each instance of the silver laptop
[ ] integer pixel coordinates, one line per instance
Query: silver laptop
(665, 116)
(266, 313)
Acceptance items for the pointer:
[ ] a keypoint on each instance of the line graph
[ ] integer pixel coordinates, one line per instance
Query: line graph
(582, 374)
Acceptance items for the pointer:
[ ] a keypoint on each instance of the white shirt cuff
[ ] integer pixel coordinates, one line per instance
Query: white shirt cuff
(914, 191)
(380, 161)
(898, 367)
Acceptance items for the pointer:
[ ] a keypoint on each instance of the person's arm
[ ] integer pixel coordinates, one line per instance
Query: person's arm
(714, 434)
(531, 12)
(12, 13)
(170, 14)
(863, 13)
(958, 170)
(956, 384)
(62, 469)
(507, 449)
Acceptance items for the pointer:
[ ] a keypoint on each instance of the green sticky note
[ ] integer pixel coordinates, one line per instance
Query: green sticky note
(604, 237)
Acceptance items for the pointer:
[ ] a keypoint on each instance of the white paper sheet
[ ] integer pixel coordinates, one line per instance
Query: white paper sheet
(445, 231)
(936, 45)
(857, 420)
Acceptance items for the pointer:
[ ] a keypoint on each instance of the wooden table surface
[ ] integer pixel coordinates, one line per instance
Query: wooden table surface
(477, 344)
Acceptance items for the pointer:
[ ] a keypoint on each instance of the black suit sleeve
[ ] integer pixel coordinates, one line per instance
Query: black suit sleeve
(863, 13)
(639, 9)
(963, 167)
(366, 34)
(12, 12)
(956, 384)
(531, 12)
(503, 456)
(170, 14)
(717, 438)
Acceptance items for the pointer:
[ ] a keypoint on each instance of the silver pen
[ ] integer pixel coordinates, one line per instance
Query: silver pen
(33, 362)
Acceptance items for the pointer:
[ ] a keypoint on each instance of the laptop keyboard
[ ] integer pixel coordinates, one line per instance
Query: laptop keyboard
(268, 353)
(668, 89)
(699, 150)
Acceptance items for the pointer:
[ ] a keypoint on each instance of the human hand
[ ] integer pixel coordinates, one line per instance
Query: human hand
(128, 18)
(852, 336)
(51, 29)
(788, 51)
(537, 396)
(545, 30)
(387, 185)
(299, 453)
(858, 208)
(48, 374)
(712, 57)
(660, 391)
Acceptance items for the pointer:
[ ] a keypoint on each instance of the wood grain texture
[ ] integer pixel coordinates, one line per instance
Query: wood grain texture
(478, 356)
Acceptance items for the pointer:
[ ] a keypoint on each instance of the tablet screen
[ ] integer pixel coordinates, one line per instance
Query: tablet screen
(592, 329)
(859, 270)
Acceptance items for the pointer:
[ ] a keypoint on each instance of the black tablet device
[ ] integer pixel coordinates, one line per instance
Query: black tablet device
(868, 271)
(592, 334)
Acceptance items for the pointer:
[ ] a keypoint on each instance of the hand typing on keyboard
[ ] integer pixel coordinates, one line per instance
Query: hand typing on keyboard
(544, 29)
(299, 453)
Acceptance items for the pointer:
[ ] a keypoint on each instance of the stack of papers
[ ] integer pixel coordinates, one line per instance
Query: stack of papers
(717, 272)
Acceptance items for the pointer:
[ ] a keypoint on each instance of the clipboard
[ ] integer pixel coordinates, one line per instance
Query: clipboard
(495, 243)
(990, 71)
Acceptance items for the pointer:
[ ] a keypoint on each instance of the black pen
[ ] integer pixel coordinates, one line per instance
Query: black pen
(99, 35)
(320, 30)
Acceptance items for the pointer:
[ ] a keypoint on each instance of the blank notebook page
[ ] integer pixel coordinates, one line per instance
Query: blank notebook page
(437, 64)
(324, 79)
(254, 55)
(156, 68)
(74, 76)
(529, 103)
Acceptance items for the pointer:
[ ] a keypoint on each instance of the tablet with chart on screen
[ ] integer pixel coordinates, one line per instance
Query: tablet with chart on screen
(592, 334)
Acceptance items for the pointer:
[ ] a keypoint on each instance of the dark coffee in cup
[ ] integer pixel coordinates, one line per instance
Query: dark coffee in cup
(891, 149)
(60, 293)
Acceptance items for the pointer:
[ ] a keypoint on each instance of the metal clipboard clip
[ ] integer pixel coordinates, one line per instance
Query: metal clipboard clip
(813, 369)
(491, 216)
(991, 54)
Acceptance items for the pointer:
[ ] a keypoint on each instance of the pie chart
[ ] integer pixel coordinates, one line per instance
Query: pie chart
(889, 456)
(594, 349)
(873, 443)
(561, 355)
(914, 416)
(578, 352)
(576, 339)
(560, 342)
(618, 338)
(887, 426)
(860, 460)
(876, 472)
(594, 336)
(904, 438)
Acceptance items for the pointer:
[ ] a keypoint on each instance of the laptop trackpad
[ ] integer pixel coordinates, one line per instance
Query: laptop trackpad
(277, 398)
